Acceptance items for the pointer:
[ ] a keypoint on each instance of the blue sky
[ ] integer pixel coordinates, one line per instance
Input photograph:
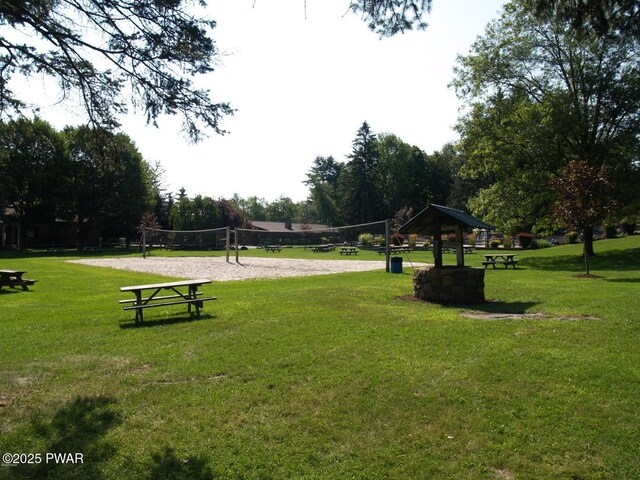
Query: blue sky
(303, 82)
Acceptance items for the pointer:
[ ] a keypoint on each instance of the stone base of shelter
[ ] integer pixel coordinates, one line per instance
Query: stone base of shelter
(449, 284)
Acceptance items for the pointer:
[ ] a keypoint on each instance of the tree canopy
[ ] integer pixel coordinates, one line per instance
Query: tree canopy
(108, 51)
(145, 54)
(541, 95)
(389, 17)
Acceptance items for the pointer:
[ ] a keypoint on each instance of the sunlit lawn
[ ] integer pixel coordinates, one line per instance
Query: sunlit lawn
(336, 376)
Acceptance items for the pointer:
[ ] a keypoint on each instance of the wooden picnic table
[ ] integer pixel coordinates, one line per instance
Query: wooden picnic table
(505, 259)
(448, 248)
(396, 249)
(324, 248)
(13, 279)
(191, 297)
(348, 251)
(272, 248)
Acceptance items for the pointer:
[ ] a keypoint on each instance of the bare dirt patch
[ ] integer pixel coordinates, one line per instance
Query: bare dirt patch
(522, 316)
(218, 269)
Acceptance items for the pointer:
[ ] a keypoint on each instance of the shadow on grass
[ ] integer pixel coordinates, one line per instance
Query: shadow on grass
(623, 280)
(7, 291)
(623, 260)
(174, 319)
(491, 306)
(78, 431)
(166, 464)
(78, 428)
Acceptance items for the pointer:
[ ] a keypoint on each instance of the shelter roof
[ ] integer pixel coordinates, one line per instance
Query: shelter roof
(424, 223)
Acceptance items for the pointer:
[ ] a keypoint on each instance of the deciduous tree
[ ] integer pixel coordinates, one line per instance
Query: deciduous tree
(542, 94)
(583, 198)
(33, 171)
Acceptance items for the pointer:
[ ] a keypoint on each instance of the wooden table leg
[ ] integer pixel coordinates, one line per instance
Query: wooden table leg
(139, 310)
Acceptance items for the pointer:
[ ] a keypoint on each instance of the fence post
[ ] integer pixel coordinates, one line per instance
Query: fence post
(237, 249)
(387, 247)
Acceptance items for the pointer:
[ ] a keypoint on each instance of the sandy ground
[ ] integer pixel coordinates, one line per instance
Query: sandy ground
(217, 268)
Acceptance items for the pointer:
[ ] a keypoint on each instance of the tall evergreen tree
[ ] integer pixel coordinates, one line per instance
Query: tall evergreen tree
(359, 186)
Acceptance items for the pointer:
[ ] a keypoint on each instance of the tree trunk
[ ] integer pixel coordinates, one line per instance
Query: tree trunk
(587, 234)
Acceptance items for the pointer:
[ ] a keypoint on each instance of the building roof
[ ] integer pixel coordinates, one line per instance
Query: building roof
(424, 223)
(284, 227)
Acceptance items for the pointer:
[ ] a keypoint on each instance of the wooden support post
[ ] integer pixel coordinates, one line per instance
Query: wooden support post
(459, 247)
(228, 246)
(437, 244)
(387, 248)
(237, 245)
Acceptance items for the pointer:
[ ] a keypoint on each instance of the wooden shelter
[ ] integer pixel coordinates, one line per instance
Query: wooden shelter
(436, 220)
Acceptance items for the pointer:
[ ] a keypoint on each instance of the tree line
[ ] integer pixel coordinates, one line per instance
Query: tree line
(552, 114)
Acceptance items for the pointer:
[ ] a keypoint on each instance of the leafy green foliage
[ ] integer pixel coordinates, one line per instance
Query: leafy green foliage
(389, 17)
(540, 95)
(34, 170)
(111, 187)
(108, 51)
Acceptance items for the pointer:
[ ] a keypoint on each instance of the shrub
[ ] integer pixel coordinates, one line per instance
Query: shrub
(495, 243)
(537, 243)
(471, 238)
(506, 241)
(610, 231)
(525, 238)
(365, 239)
(380, 240)
(628, 224)
(413, 238)
(571, 237)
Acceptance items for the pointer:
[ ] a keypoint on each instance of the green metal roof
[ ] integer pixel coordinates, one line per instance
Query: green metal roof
(449, 218)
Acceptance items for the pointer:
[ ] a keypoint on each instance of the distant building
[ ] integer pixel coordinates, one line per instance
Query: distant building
(286, 233)
(38, 234)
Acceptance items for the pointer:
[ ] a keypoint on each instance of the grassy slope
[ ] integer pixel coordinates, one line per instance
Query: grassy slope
(328, 376)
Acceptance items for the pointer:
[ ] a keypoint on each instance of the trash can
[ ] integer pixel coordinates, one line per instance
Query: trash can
(396, 264)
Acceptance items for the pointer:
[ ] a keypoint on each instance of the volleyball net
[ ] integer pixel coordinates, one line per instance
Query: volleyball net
(185, 240)
(372, 235)
(365, 235)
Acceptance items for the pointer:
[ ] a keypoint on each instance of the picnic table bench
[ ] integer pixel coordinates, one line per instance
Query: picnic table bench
(324, 248)
(348, 251)
(191, 297)
(448, 247)
(13, 279)
(272, 248)
(505, 259)
(396, 249)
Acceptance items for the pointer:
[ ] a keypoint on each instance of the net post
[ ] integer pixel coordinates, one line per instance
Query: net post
(144, 242)
(228, 242)
(387, 248)
(237, 245)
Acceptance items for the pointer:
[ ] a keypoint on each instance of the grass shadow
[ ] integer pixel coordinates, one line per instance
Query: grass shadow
(496, 306)
(622, 260)
(166, 464)
(171, 320)
(8, 290)
(78, 428)
(489, 306)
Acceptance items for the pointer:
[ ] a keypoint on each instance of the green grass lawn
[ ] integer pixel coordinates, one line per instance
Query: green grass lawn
(335, 376)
